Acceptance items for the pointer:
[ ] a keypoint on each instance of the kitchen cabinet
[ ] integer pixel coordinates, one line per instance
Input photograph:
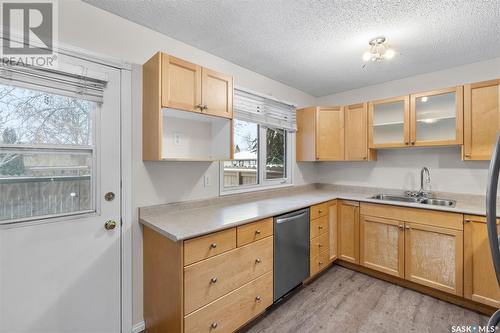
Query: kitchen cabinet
(436, 117)
(320, 134)
(348, 229)
(481, 119)
(333, 231)
(319, 238)
(480, 282)
(382, 245)
(434, 257)
(389, 122)
(433, 245)
(356, 133)
(187, 111)
(207, 282)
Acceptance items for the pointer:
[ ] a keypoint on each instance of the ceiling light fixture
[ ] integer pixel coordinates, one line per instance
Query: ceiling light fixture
(378, 50)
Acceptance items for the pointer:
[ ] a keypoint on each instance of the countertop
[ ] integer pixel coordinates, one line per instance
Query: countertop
(183, 220)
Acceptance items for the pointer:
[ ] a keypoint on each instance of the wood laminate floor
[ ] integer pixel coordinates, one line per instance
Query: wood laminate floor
(345, 301)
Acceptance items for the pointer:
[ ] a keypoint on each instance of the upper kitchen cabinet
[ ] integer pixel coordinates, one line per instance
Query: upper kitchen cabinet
(172, 86)
(388, 123)
(481, 119)
(356, 133)
(436, 117)
(320, 134)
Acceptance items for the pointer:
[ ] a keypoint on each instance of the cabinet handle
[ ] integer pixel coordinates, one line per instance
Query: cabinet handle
(467, 155)
(257, 232)
(258, 261)
(406, 143)
(213, 280)
(320, 227)
(257, 298)
(213, 245)
(364, 157)
(204, 106)
(320, 263)
(401, 227)
(214, 325)
(467, 220)
(407, 227)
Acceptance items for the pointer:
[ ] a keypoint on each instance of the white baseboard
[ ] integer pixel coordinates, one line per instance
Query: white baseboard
(139, 327)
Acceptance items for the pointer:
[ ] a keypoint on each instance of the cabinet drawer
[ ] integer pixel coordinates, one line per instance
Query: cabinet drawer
(204, 247)
(210, 279)
(233, 310)
(318, 227)
(319, 210)
(319, 244)
(252, 232)
(319, 263)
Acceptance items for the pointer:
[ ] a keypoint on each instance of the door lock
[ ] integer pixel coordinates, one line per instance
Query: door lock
(110, 196)
(110, 225)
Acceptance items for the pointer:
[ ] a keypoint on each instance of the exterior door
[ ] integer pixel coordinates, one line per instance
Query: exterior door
(59, 265)
(382, 245)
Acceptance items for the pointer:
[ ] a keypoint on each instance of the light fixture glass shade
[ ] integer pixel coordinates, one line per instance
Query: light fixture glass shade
(367, 56)
(389, 54)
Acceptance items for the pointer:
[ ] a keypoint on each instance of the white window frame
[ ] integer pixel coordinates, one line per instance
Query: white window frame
(262, 182)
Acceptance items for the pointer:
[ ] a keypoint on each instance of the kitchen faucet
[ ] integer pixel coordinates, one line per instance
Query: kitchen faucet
(422, 192)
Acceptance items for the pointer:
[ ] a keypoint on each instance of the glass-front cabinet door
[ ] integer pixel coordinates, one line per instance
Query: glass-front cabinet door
(436, 117)
(389, 122)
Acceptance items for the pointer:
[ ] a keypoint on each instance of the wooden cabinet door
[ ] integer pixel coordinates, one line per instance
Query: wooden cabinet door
(348, 229)
(389, 123)
(180, 84)
(382, 245)
(217, 93)
(480, 282)
(436, 117)
(330, 134)
(333, 229)
(481, 119)
(434, 257)
(356, 132)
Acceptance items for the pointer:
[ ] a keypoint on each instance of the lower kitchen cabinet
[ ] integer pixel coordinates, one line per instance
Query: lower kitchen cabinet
(348, 228)
(333, 230)
(319, 255)
(480, 282)
(382, 245)
(434, 257)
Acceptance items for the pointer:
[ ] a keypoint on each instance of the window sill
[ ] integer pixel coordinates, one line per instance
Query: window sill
(255, 188)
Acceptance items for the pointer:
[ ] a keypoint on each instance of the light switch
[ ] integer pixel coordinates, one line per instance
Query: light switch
(207, 180)
(177, 138)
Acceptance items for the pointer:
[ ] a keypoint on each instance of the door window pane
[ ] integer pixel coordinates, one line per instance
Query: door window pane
(243, 170)
(46, 154)
(275, 153)
(35, 117)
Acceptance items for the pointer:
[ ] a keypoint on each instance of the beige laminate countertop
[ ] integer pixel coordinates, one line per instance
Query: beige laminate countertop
(179, 221)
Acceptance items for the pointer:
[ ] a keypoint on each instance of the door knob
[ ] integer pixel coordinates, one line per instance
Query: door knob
(110, 225)
(109, 196)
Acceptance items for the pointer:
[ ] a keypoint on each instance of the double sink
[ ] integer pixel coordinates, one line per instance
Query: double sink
(418, 200)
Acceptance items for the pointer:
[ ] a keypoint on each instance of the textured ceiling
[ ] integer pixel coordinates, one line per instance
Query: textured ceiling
(316, 45)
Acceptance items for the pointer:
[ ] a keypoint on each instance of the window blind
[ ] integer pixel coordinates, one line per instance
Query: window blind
(264, 111)
(72, 81)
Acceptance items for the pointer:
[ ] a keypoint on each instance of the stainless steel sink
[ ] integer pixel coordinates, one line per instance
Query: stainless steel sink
(421, 200)
(390, 197)
(438, 202)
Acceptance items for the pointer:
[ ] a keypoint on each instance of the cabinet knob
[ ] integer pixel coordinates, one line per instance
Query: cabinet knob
(320, 263)
(320, 227)
(467, 220)
(401, 227)
(364, 157)
(319, 245)
(413, 142)
(213, 245)
(257, 298)
(213, 280)
(204, 107)
(321, 211)
(406, 143)
(467, 155)
(258, 261)
(257, 232)
(214, 325)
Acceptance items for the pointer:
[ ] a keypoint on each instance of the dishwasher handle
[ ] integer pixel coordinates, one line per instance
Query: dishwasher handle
(280, 220)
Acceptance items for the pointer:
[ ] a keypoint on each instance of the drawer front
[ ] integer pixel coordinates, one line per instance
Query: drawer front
(204, 247)
(319, 210)
(320, 244)
(254, 231)
(319, 263)
(319, 226)
(233, 310)
(210, 279)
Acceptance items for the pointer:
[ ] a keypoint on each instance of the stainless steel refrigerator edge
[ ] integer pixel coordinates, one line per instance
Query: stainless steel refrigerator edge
(291, 251)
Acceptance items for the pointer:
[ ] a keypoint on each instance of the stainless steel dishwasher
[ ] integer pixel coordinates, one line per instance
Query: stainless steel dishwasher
(291, 251)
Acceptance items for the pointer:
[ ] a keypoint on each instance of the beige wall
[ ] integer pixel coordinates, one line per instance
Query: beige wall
(400, 168)
(89, 28)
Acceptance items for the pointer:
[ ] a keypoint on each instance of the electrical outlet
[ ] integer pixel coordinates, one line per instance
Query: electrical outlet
(177, 138)
(207, 181)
